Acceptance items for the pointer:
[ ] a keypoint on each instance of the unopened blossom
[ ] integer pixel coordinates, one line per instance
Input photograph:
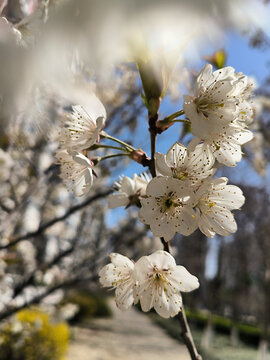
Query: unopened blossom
(217, 100)
(129, 191)
(168, 207)
(215, 200)
(159, 282)
(76, 171)
(119, 275)
(81, 129)
(189, 166)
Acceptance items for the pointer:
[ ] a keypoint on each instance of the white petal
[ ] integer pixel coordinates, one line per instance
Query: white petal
(168, 306)
(81, 159)
(162, 167)
(127, 185)
(204, 76)
(84, 182)
(159, 185)
(183, 280)
(230, 196)
(220, 221)
(176, 155)
(162, 259)
(147, 300)
(107, 276)
(141, 268)
(188, 221)
(117, 200)
(164, 228)
(124, 296)
(121, 260)
(95, 108)
(228, 154)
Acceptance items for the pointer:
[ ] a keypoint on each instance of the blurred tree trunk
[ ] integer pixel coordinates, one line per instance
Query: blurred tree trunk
(234, 336)
(208, 333)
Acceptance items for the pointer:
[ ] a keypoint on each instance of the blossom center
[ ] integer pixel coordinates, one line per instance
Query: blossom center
(167, 202)
(182, 175)
(158, 276)
(205, 106)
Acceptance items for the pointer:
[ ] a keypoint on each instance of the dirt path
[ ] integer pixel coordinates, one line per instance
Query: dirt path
(126, 336)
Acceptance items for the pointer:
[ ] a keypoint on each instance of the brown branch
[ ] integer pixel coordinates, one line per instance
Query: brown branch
(185, 333)
(29, 280)
(37, 299)
(187, 336)
(166, 245)
(152, 119)
(50, 223)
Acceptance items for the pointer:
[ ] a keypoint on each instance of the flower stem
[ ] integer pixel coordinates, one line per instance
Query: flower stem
(164, 124)
(111, 156)
(102, 146)
(128, 147)
(173, 116)
(182, 121)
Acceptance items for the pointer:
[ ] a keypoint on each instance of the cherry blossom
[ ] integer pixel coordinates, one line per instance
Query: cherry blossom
(76, 171)
(216, 100)
(215, 200)
(226, 144)
(129, 191)
(119, 275)
(189, 166)
(220, 111)
(167, 207)
(159, 282)
(81, 129)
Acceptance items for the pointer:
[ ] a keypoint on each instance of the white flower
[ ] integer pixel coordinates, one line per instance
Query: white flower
(217, 100)
(119, 276)
(216, 199)
(76, 171)
(129, 190)
(81, 129)
(226, 144)
(167, 207)
(159, 282)
(182, 164)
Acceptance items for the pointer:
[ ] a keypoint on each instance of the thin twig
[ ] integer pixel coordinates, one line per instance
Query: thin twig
(50, 223)
(187, 336)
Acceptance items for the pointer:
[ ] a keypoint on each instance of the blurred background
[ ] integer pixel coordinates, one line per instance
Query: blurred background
(54, 54)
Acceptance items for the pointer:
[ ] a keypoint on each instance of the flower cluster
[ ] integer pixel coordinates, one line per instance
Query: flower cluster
(184, 196)
(156, 281)
(79, 131)
(220, 111)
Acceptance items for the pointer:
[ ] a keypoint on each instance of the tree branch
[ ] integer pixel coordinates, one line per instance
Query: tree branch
(187, 336)
(50, 223)
(185, 333)
(37, 299)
